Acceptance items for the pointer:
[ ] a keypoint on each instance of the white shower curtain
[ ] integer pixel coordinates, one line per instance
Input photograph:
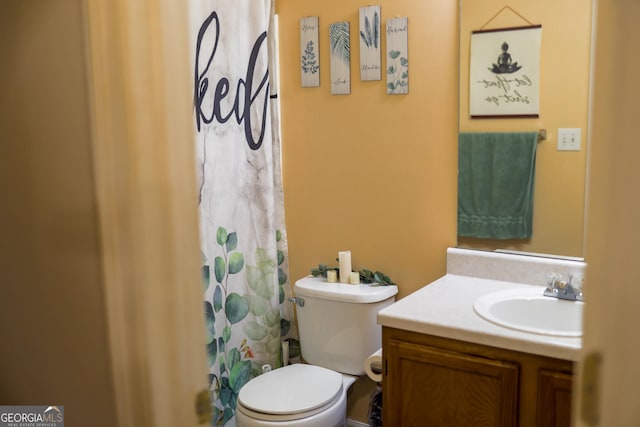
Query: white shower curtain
(244, 244)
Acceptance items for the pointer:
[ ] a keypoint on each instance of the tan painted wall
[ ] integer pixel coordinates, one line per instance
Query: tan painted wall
(558, 220)
(370, 172)
(52, 317)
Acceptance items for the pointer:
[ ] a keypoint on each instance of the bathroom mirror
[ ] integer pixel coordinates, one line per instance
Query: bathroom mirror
(560, 176)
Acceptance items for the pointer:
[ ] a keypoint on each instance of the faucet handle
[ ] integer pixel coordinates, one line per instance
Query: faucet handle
(577, 282)
(552, 280)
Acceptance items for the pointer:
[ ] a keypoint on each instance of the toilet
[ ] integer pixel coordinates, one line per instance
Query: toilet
(338, 330)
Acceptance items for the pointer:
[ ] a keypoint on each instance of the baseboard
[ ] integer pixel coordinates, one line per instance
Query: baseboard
(353, 423)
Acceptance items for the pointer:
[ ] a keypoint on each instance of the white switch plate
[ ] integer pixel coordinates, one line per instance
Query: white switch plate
(569, 139)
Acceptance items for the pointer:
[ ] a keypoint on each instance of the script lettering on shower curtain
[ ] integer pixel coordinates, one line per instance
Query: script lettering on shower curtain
(246, 94)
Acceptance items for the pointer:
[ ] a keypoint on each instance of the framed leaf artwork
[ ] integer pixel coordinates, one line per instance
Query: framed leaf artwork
(309, 52)
(370, 68)
(340, 58)
(397, 56)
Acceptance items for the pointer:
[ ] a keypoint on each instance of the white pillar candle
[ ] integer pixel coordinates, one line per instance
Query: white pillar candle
(344, 259)
(332, 276)
(354, 278)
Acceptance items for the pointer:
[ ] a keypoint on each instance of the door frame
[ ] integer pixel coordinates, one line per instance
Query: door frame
(606, 393)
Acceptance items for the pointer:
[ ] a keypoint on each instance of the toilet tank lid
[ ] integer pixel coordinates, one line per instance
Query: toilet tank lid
(364, 293)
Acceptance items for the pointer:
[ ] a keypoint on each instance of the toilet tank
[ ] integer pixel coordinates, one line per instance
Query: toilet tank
(338, 322)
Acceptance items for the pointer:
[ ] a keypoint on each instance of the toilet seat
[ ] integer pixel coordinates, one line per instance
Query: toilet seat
(290, 393)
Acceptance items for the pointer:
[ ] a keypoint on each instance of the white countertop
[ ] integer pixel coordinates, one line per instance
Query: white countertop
(445, 308)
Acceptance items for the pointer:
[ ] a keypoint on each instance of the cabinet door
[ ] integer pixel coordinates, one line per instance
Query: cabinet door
(430, 387)
(554, 399)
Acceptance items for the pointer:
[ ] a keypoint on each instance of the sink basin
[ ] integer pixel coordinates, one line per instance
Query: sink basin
(528, 310)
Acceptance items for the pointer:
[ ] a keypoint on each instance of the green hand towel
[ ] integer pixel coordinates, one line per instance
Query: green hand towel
(496, 174)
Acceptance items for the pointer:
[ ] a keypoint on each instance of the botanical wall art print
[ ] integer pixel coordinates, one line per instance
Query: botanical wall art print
(397, 56)
(309, 52)
(505, 72)
(340, 58)
(370, 68)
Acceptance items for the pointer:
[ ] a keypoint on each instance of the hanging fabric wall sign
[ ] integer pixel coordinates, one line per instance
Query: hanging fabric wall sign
(505, 72)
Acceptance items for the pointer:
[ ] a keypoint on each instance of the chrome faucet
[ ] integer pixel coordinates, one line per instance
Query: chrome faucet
(558, 288)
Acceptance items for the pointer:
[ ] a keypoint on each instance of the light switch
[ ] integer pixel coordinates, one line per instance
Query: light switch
(569, 139)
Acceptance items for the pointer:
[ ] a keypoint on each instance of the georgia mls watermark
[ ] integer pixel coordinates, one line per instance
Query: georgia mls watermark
(31, 416)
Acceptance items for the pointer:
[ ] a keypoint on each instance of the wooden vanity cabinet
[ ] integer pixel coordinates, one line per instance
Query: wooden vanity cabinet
(554, 397)
(432, 381)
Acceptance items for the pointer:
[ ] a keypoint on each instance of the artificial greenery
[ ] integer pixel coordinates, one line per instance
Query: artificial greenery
(366, 276)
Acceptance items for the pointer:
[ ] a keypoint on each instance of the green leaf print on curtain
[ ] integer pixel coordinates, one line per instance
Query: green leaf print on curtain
(235, 362)
(263, 327)
(241, 206)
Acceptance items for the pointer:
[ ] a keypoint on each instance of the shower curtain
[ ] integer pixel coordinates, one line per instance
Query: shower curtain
(243, 238)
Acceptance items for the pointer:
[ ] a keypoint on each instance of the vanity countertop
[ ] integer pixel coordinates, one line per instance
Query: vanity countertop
(445, 308)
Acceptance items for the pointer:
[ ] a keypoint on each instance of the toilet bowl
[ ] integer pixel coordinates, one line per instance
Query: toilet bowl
(338, 331)
(295, 396)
